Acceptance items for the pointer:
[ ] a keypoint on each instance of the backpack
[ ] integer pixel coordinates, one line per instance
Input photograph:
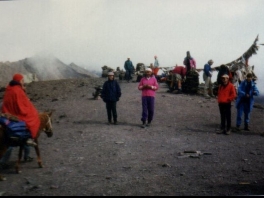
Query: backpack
(15, 128)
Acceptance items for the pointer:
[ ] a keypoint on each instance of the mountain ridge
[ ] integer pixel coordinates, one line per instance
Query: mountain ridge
(42, 68)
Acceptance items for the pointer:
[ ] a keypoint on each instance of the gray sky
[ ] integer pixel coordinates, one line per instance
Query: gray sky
(94, 33)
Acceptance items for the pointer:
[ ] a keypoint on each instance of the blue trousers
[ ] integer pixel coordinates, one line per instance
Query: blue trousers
(147, 108)
(243, 107)
(8, 152)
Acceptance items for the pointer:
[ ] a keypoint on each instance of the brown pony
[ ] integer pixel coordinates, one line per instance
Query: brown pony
(45, 126)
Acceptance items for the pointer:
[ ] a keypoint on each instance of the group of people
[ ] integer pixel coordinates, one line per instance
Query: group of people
(16, 102)
(129, 68)
(111, 93)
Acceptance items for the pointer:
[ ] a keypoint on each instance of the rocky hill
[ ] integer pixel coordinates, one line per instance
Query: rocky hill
(42, 68)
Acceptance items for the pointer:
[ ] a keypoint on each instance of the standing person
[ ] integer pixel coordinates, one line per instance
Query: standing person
(156, 66)
(226, 94)
(189, 62)
(17, 103)
(129, 67)
(110, 94)
(245, 101)
(148, 85)
(207, 77)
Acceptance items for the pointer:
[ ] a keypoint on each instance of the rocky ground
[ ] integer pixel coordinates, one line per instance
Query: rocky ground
(180, 154)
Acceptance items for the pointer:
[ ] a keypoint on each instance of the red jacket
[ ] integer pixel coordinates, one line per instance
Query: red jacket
(226, 94)
(179, 70)
(18, 104)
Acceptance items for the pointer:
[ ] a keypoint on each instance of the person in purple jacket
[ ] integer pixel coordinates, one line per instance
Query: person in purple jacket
(148, 85)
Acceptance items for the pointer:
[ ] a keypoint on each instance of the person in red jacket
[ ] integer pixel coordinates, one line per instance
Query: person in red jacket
(179, 76)
(16, 103)
(226, 94)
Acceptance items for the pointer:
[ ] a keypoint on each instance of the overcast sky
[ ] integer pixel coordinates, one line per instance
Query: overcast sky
(94, 33)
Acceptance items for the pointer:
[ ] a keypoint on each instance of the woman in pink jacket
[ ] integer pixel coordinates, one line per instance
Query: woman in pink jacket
(148, 85)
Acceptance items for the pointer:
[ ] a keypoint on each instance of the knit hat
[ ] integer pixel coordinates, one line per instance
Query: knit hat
(111, 74)
(18, 77)
(225, 76)
(148, 69)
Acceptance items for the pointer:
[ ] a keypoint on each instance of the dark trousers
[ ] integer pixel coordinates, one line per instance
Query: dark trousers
(225, 112)
(128, 75)
(147, 108)
(111, 110)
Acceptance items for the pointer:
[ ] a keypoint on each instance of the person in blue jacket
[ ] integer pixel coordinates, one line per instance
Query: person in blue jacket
(129, 67)
(245, 101)
(110, 94)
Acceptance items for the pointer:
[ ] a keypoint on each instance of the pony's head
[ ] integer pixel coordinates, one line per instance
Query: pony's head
(46, 123)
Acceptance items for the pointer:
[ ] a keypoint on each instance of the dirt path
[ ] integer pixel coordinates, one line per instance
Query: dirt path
(87, 157)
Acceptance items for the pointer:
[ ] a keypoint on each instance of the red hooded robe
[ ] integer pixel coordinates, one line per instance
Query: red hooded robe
(18, 104)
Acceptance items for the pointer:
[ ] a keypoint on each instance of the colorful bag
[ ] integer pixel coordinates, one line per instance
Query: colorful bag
(15, 128)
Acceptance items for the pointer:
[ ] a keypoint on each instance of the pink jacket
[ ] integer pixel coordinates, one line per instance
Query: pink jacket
(151, 91)
(192, 63)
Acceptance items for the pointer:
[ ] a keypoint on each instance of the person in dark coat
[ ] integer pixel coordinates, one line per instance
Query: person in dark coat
(129, 67)
(110, 94)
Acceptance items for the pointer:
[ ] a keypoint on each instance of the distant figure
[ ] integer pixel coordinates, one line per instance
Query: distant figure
(180, 75)
(226, 94)
(245, 101)
(110, 94)
(17, 103)
(169, 82)
(156, 66)
(156, 62)
(207, 77)
(189, 62)
(129, 67)
(148, 85)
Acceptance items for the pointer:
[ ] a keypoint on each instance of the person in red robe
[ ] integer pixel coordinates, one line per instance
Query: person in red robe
(17, 103)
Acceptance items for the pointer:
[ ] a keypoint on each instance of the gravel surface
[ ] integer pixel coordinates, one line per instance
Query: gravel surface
(179, 155)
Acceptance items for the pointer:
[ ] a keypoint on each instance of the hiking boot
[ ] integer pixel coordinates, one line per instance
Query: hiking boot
(4, 166)
(148, 124)
(143, 124)
(221, 131)
(30, 142)
(109, 122)
(115, 123)
(28, 159)
(228, 132)
(247, 128)
(237, 128)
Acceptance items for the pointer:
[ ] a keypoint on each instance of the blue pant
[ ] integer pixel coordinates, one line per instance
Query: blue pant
(147, 108)
(8, 152)
(243, 107)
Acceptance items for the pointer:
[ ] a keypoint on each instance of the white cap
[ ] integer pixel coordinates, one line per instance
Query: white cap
(111, 74)
(148, 69)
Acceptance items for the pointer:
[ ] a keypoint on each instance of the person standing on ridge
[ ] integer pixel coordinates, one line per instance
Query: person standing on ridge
(207, 77)
(148, 85)
(245, 101)
(129, 67)
(189, 62)
(226, 94)
(110, 94)
(156, 66)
